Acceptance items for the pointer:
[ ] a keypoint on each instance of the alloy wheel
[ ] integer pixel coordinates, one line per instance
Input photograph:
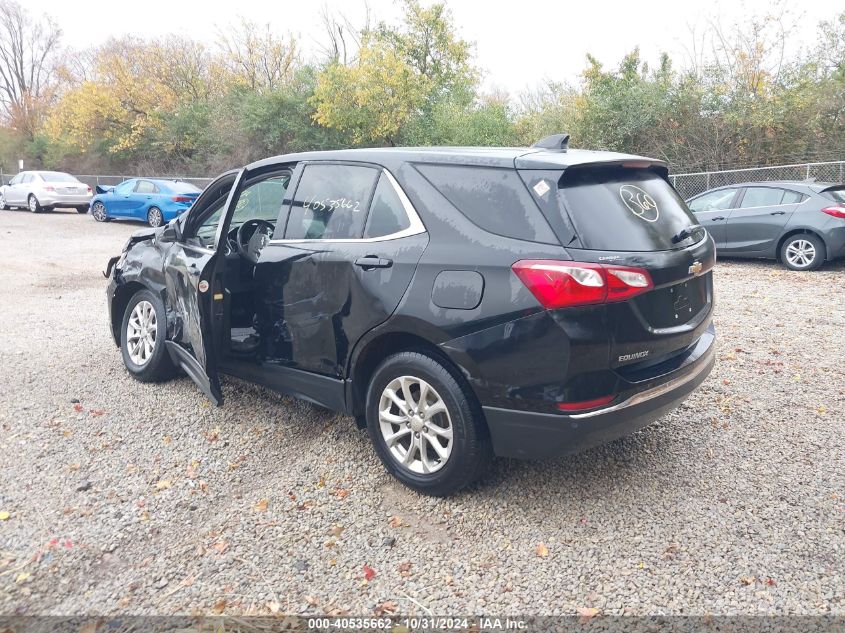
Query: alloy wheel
(801, 253)
(99, 211)
(33, 203)
(415, 424)
(141, 333)
(154, 217)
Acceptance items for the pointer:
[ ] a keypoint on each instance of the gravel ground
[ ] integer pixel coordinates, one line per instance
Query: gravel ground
(132, 498)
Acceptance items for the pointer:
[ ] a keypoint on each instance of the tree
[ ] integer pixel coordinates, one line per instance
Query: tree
(28, 49)
(372, 99)
(257, 56)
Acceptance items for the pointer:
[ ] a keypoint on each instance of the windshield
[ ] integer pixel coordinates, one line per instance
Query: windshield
(57, 176)
(622, 209)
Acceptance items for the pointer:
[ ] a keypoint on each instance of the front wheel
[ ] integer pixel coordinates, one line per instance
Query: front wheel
(33, 204)
(803, 251)
(142, 335)
(3, 204)
(154, 217)
(426, 426)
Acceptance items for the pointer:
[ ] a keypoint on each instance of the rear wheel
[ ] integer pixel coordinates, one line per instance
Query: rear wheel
(99, 212)
(154, 217)
(33, 204)
(142, 336)
(803, 251)
(427, 427)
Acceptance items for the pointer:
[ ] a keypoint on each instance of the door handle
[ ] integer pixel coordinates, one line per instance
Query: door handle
(778, 213)
(371, 261)
(721, 217)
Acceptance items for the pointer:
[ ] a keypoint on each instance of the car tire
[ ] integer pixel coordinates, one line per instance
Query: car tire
(33, 205)
(155, 218)
(3, 205)
(457, 425)
(99, 211)
(82, 209)
(803, 251)
(145, 358)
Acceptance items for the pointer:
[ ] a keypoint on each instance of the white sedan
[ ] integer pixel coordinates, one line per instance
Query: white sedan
(45, 190)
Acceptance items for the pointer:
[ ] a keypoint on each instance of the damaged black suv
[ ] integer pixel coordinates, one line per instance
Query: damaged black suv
(458, 302)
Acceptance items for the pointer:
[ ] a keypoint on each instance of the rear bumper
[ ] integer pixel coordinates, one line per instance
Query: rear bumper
(64, 199)
(531, 435)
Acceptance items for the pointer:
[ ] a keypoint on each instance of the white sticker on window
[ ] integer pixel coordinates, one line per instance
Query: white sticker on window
(639, 203)
(541, 188)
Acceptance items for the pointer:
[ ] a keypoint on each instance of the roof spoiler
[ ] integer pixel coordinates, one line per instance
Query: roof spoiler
(558, 142)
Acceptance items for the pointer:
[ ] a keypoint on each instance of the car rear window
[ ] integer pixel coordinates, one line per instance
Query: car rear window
(182, 187)
(623, 209)
(837, 195)
(493, 199)
(57, 176)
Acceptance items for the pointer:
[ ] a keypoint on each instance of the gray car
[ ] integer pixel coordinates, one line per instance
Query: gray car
(800, 224)
(45, 190)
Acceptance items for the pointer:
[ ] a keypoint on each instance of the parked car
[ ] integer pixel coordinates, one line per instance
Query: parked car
(458, 302)
(151, 200)
(44, 191)
(800, 224)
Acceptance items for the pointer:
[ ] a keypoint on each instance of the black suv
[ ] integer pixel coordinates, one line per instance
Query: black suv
(458, 302)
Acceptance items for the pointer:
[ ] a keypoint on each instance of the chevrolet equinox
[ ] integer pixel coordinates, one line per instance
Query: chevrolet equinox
(458, 302)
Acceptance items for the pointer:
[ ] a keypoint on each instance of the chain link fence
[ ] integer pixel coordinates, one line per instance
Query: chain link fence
(689, 185)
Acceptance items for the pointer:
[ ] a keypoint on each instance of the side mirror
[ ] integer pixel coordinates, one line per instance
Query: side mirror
(171, 233)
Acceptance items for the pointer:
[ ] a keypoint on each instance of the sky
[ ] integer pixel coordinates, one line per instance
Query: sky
(519, 45)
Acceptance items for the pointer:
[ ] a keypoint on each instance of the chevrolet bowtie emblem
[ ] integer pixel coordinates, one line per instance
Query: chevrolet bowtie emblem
(695, 268)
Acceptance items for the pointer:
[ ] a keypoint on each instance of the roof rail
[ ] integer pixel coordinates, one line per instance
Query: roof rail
(555, 141)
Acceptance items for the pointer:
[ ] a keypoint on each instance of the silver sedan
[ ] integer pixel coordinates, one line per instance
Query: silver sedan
(45, 190)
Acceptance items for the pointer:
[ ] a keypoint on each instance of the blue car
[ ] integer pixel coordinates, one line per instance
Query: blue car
(150, 200)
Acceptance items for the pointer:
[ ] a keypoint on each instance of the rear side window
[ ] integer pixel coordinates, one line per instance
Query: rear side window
(761, 197)
(387, 215)
(493, 199)
(792, 197)
(331, 202)
(618, 209)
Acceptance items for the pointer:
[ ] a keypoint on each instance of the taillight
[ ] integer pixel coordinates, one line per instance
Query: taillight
(181, 199)
(558, 284)
(49, 188)
(90, 190)
(836, 212)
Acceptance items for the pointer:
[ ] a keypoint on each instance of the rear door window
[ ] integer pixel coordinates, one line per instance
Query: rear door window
(761, 197)
(493, 199)
(331, 202)
(145, 186)
(622, 209)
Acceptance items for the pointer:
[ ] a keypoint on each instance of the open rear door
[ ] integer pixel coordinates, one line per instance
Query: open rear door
(193, 277)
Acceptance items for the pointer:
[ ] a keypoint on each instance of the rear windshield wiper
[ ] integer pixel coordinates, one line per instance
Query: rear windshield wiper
(687, 232)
